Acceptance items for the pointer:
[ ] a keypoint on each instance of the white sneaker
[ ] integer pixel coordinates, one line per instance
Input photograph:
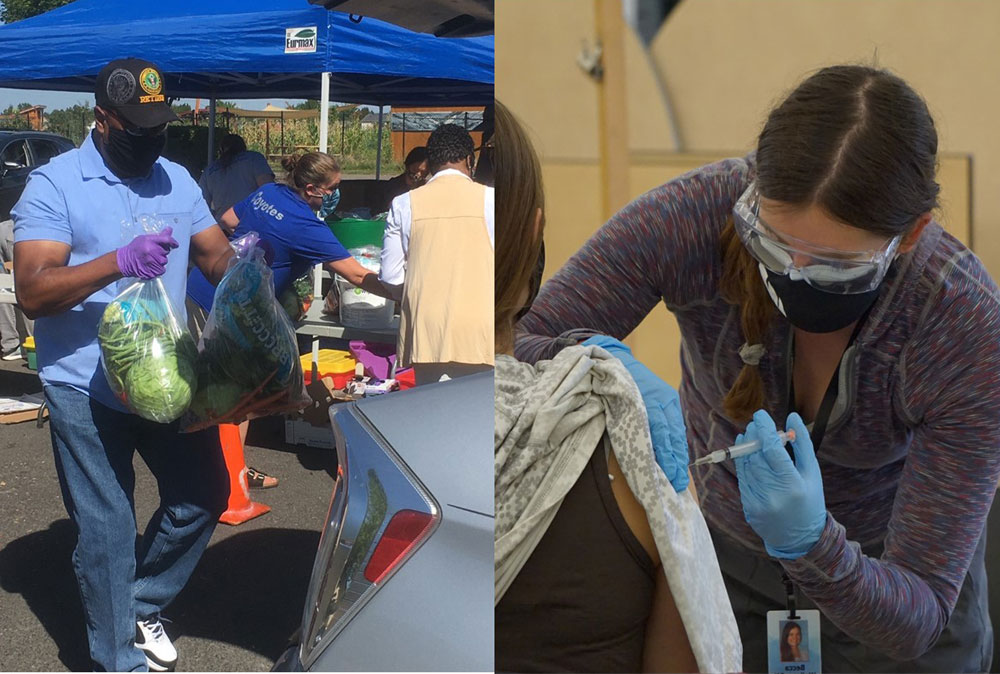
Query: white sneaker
(13, 355)
(161, 656)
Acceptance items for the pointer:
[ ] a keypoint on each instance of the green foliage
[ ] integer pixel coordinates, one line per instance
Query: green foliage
(14, 122)
(11, 120)
(178, 108)
(188, 146)
(15, 10)
(304, 105)
(71, 122)
(354, 146)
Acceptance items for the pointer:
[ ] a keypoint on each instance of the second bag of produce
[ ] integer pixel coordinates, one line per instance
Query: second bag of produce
(248, 362)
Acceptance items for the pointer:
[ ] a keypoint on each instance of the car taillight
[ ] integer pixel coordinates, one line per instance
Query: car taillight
(380, 514)
(405, 530)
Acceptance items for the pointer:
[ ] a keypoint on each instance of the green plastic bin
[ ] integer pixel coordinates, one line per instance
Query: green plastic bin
(355, 233)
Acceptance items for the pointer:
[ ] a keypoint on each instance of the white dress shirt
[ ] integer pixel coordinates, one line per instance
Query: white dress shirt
(396, 243)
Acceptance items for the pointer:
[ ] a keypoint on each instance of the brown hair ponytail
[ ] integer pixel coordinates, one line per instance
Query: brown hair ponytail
(313, 168)
(741, 285)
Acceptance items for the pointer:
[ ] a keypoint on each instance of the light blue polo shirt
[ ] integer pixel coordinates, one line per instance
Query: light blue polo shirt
(77, 200)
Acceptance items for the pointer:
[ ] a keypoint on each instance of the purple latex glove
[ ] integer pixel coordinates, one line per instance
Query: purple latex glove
(146, 256)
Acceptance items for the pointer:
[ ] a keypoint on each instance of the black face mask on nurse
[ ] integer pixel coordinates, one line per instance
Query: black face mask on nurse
(130, 156)
(814, 310)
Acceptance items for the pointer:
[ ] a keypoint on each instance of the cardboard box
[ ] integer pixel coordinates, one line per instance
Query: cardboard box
(311, 427)
(301, 432)
(25, 408)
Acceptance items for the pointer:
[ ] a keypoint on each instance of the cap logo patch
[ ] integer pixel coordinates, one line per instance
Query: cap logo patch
(150, 81)
(121, 86)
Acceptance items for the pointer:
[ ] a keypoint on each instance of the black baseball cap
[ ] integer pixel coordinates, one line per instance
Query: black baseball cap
(134, 89)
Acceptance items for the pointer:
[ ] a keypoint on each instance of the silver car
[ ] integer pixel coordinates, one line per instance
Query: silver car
(403, 579)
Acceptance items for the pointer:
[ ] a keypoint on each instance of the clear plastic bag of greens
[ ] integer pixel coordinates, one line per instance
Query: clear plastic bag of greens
(297, 298)
(248, 357)
(147, 352)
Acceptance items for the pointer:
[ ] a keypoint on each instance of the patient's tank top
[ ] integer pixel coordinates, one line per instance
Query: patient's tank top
(581, 602)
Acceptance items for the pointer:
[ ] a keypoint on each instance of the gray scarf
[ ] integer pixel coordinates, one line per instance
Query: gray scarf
(549, 419)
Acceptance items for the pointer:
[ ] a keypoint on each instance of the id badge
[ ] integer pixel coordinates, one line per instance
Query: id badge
(793, 643)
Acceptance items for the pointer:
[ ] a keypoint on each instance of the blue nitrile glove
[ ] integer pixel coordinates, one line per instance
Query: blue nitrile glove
(782, 501)
(663, 408)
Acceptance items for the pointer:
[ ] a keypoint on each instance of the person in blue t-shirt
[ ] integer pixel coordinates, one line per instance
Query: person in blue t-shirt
(72, 245)
(284, 217)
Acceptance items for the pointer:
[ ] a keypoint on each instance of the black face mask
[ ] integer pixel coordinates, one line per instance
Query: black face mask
(131, 156)
(534, 284)
(814, 310)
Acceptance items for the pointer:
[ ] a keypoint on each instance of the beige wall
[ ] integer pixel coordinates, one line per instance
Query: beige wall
(725, 63)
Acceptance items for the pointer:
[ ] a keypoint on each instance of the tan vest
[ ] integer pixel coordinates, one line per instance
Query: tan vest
(447, 310)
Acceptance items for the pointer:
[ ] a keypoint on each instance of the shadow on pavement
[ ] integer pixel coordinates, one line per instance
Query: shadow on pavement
(38, 568)
(269, 433)
(248, 590)
(16, 379)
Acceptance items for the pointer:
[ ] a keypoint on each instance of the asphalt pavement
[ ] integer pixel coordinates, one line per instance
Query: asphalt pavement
(241, 605)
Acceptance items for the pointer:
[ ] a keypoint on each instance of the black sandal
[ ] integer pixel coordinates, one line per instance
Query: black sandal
(259, 480)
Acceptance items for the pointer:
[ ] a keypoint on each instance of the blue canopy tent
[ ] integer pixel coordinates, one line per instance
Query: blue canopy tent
(246, 48)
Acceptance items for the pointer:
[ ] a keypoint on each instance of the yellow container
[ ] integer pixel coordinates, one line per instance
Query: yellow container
(332, 363)
(29, 353)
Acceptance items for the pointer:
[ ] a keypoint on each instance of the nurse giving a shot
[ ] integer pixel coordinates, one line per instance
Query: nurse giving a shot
(816, 294)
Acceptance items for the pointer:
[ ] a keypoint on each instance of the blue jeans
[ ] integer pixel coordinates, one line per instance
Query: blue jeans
(120, 581)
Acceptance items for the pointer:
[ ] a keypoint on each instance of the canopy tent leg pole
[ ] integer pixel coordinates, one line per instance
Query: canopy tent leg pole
(324, 136)
(283, 151)
(324, 112)
(378, 153)
(211, 130)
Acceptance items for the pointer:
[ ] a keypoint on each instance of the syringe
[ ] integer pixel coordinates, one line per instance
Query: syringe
(742, 449)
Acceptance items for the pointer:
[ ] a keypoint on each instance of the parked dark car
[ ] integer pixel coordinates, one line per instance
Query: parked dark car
(21, 152)
(403, 578)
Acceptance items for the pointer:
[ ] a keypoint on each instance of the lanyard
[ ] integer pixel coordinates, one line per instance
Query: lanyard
(817, 433)
(790, 603)
(829, 398)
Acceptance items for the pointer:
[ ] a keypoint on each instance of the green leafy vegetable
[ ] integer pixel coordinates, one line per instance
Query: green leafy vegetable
(249, 360)
(149, 360)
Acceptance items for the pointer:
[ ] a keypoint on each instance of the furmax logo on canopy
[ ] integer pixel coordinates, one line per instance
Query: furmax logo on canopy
(298, 40)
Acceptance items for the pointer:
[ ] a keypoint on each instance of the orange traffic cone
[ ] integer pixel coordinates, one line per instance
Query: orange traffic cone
(241, 508)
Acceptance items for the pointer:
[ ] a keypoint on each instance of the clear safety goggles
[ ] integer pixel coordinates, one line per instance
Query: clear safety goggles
(828, 269)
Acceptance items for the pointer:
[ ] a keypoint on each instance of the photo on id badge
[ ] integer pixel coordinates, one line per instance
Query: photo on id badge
(793, 642)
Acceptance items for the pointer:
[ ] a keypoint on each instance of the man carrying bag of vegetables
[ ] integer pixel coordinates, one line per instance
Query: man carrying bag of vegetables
(79, 242)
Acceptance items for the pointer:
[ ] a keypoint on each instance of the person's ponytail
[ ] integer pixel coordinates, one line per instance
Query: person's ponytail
(741, 285)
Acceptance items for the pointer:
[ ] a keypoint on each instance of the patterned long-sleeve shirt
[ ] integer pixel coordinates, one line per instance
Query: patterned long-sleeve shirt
(911, 455)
